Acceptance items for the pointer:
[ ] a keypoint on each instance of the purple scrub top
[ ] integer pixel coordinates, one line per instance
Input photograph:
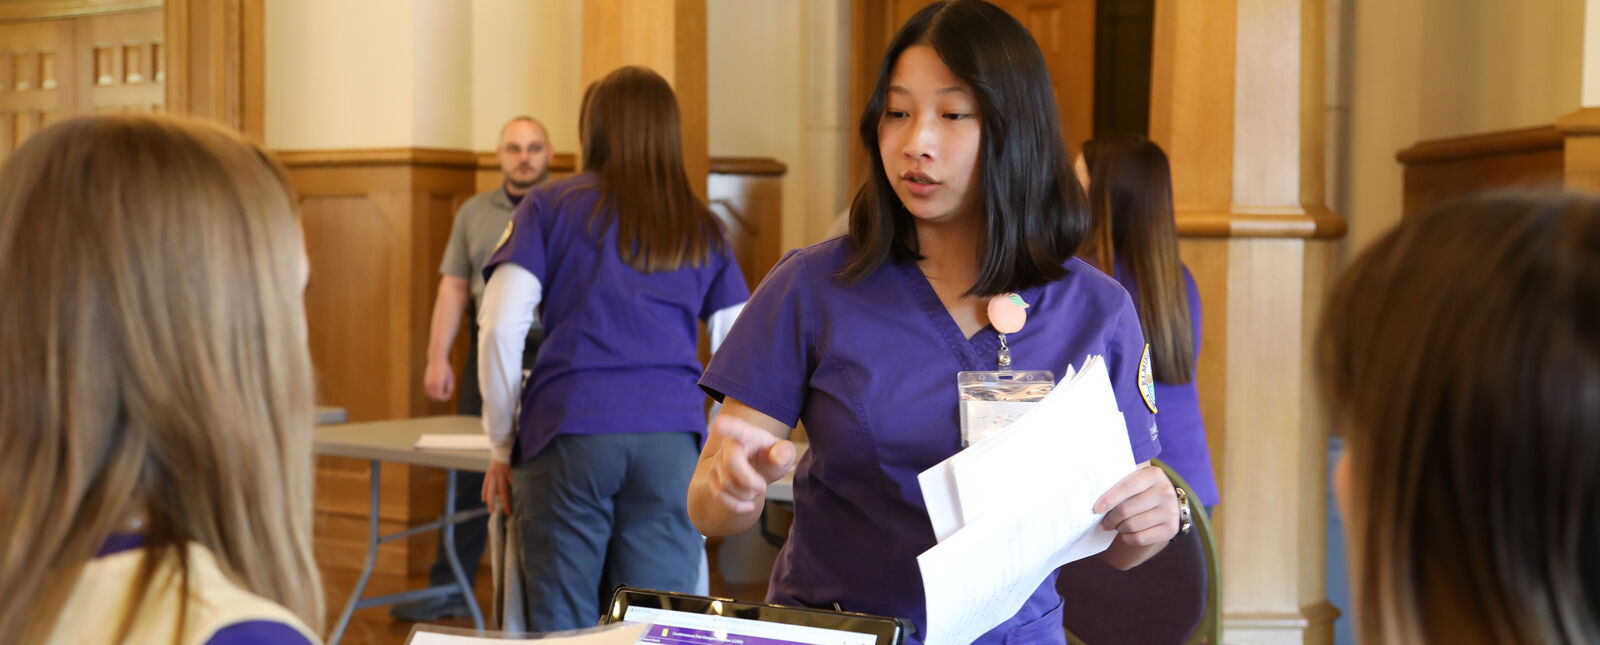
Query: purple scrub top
(1183, 431)
(619, 351)
(870, 369)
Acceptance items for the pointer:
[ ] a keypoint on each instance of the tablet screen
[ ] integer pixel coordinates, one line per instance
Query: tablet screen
(678, 628)
(683, 619)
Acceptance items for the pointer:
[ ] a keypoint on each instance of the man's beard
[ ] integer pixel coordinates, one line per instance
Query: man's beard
(524, 185)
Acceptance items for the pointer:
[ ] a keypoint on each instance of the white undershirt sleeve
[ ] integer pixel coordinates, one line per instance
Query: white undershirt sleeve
(717, 327)
(510, 301)
(720, 322)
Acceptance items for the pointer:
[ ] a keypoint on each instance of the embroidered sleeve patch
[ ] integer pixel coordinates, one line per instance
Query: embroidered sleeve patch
(1147, 381)
(507, 235)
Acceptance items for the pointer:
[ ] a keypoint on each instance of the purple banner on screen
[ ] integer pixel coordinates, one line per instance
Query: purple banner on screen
(668, 635)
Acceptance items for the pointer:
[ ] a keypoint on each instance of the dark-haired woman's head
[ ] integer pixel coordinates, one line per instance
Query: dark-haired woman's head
(1460, 357)
(962, 123)
(632, 140)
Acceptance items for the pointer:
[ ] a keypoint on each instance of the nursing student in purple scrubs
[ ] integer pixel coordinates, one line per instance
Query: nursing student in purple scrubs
(861, 337)
(1130, 194)
(623, 263)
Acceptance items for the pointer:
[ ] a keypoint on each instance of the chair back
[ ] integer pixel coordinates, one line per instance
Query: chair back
(1175, 597)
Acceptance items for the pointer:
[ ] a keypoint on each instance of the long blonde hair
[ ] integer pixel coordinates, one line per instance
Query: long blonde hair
(153, 359)
(1458, 356)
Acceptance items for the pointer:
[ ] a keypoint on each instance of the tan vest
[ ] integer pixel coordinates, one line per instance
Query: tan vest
(99, 600)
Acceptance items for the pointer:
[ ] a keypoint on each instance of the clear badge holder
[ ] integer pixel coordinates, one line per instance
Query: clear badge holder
(990, 401)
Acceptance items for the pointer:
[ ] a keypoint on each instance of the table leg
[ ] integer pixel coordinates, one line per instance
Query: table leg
(366, 569)
(449, 530)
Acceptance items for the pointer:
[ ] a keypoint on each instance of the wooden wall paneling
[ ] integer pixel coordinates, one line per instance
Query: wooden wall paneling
(747, 195)
(488, 176)
(375, 222)
(1438, 169)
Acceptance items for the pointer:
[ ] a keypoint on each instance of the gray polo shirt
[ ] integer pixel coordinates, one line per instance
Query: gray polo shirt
(478, 226)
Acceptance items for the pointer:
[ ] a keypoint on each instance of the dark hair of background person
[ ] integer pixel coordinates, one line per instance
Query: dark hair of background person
(1130, 196)
(1460, 357)
(1033, 207)
(633, 143)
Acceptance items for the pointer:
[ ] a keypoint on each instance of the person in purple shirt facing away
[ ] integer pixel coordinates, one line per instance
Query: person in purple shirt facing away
(622, 262)
(1135, 238)
(155, 457)
(971, 196)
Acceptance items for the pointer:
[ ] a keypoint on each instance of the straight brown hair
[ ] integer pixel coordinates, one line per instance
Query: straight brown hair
(633, 143)
(153, 347)
(1459, 356)
(1130, 195)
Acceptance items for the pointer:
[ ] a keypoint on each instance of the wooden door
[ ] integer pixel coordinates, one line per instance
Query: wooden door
(1064, 30)
(32, 92)
(55, 68)
(121, 62)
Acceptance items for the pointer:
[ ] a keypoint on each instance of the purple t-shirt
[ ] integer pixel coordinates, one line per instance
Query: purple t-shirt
(870, 369)
(1183, 431)
(619, 351)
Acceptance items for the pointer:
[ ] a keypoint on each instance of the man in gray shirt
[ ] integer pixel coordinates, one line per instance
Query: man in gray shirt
(525, 155)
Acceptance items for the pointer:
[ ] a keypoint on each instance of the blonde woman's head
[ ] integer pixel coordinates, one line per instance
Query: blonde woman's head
(154, 360)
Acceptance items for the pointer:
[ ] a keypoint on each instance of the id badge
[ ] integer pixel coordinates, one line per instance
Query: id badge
(990, 401)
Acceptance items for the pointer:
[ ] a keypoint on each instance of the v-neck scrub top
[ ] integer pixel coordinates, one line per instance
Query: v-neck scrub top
(619, 354)
(870, 368)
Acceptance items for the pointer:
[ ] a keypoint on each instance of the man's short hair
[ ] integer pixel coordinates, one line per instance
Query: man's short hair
(523, 117)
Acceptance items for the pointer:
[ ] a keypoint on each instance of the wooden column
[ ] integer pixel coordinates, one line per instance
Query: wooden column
(668, 36)
(1581, 154)
(1236, 101)
(216, 61)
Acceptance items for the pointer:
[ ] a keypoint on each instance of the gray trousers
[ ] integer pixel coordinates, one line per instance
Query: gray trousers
(598, 511)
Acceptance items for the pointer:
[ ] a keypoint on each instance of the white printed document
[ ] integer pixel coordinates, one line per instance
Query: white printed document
(453, 441)
(1016, 506)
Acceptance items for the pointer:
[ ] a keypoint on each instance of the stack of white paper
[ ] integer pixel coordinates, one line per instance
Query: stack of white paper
(452, 441)
(1018, 505)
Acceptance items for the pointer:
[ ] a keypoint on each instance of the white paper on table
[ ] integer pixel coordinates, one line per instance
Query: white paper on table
(452, 441)
(1023, 504)
(622, 634)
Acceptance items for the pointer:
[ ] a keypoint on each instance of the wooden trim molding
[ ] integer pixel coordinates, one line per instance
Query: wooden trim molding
(1584, 122)
(763, 166)
(562, 162)
(30, 10)
(1492, 144)
(1311, 222)
(567, 162)
(368, 157)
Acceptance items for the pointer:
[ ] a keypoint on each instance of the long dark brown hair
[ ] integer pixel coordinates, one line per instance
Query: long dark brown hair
(1130, 194)
(633, 143)
(1033, 209)
(1460, 357)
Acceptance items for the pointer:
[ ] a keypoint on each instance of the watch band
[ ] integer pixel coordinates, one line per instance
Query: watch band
(1185, 516)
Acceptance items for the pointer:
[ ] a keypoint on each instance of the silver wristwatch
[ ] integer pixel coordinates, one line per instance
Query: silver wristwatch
(1185, 516)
